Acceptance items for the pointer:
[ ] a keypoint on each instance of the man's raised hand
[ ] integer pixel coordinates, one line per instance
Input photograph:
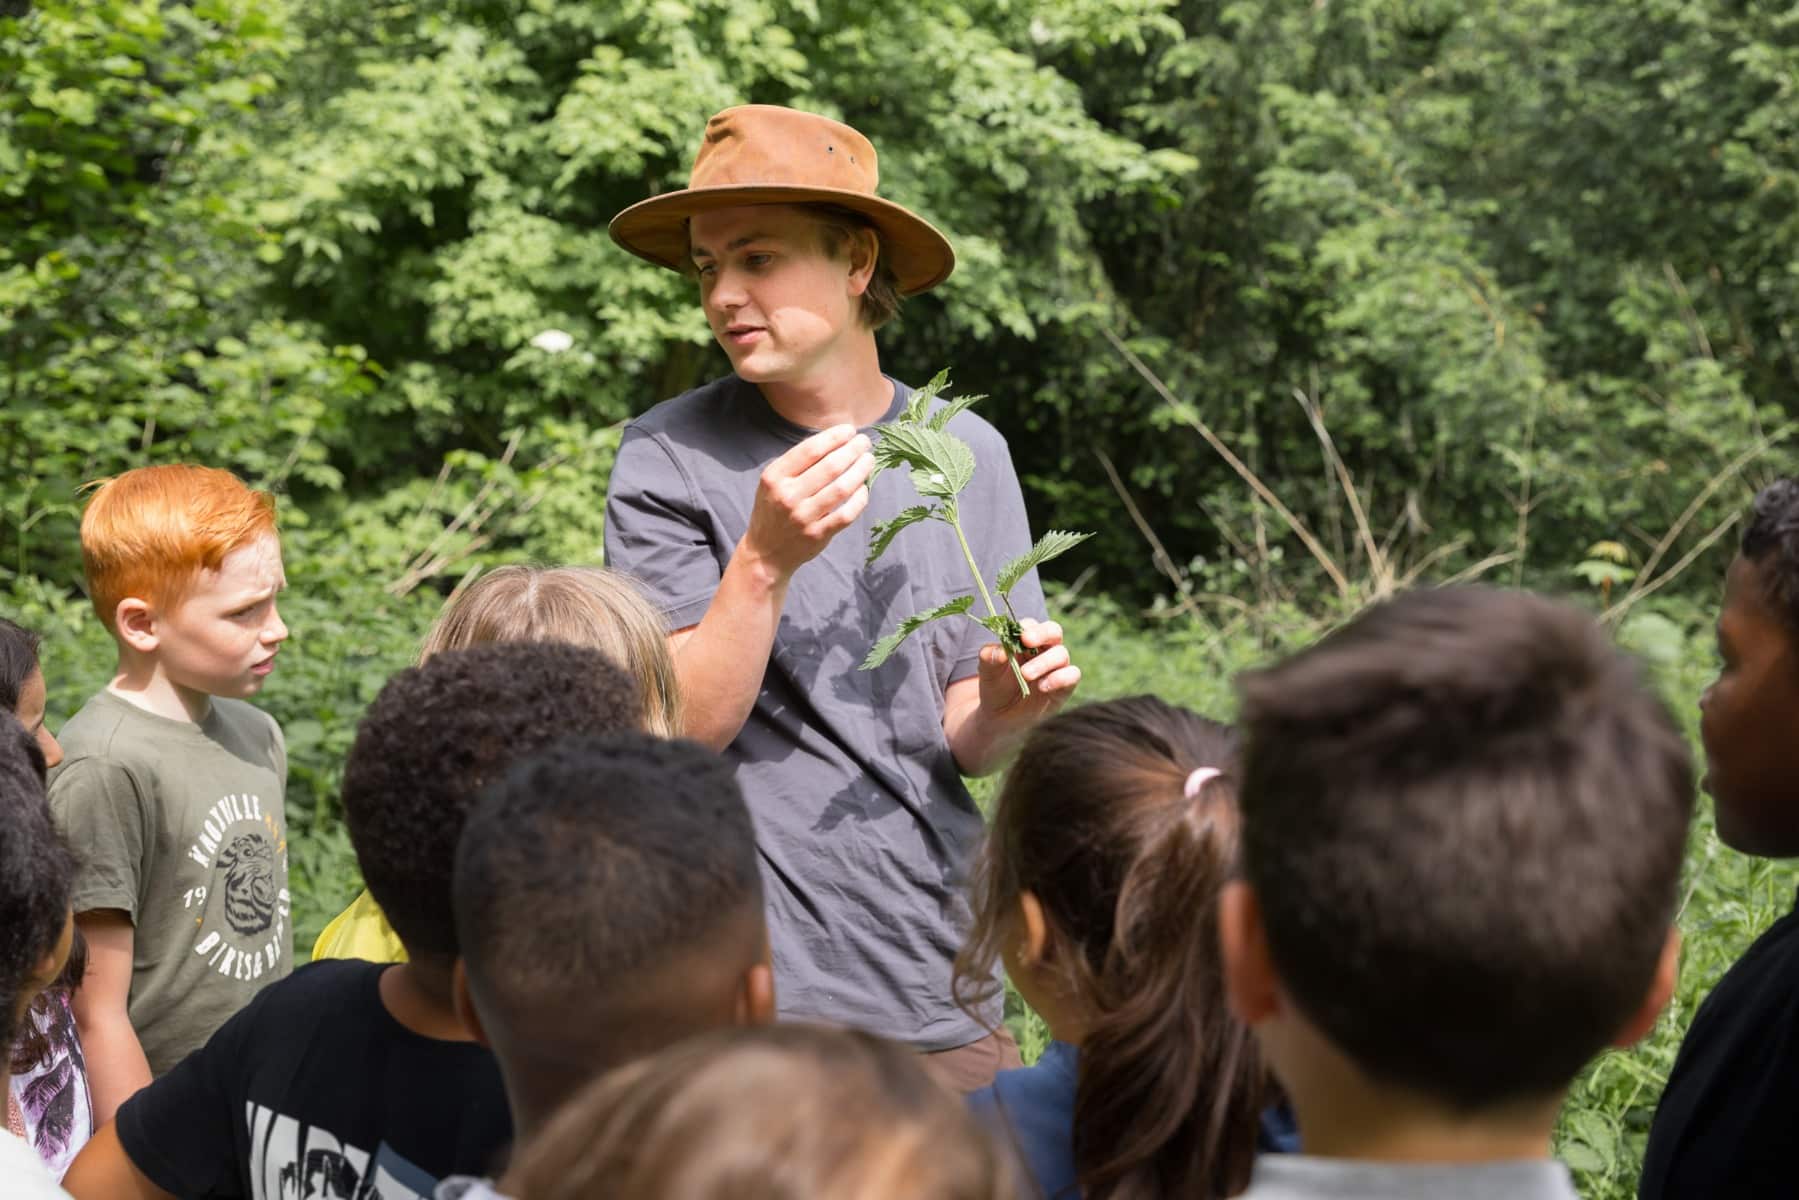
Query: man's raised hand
(808, 496)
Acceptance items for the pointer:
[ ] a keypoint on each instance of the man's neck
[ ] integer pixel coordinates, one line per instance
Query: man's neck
(417, 995)
(847, 390)
(142, 683)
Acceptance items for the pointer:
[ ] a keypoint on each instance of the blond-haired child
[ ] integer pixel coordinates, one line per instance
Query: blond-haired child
(172, 786)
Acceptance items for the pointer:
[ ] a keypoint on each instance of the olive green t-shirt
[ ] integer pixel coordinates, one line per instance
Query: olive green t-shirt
(184, 828)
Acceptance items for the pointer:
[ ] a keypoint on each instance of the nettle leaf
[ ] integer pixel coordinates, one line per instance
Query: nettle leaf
(941, 464)
(920, 404)
(1007, 629)
(1051, 545)
(883, 649)
(949, 411)
(884, 533)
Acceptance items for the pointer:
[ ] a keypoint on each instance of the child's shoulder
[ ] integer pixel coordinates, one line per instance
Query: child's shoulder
(111, 741)
(109, 735)
(241, 719)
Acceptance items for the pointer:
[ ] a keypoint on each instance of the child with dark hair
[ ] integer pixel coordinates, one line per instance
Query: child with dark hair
(608, 904)
(1722, 1125)
(22, 689)
(790, 1112)
(1113, 833)
(364, 1067)
(1464, 816)
(37, 875)
(48, 1102)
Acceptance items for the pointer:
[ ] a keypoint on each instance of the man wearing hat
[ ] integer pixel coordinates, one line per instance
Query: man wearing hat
(728, 502)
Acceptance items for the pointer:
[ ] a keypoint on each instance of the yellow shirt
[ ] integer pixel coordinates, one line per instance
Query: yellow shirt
(360, 931)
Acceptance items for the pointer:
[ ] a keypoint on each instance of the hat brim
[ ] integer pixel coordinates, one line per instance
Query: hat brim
(656, 229)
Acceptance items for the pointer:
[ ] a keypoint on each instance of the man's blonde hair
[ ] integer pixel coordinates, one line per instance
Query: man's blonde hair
(584, 606)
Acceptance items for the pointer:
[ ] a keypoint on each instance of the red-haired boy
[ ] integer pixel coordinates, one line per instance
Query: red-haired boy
(172, 788)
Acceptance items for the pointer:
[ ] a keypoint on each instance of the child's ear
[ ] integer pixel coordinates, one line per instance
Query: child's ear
(1250, 982)
(135, 622)
(463, 1002)
(1661, 990)
(756, 996)
(1033, 930)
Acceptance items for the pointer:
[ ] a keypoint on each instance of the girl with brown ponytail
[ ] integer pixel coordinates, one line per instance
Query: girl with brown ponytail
(1098, 888)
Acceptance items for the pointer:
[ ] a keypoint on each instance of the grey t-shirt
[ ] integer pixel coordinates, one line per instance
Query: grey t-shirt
(864, 827)
(184, 828)
(1302, 1177)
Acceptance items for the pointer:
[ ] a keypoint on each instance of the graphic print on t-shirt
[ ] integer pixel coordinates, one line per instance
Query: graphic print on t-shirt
(241, 903)
(293, 1161)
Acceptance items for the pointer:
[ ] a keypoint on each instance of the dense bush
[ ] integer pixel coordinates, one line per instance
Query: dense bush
(1294, 304)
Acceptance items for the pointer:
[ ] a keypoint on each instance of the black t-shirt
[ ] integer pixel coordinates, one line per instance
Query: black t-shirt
(315, 1091)
(1725, 1120)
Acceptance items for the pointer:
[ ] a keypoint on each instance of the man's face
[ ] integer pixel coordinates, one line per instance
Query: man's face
(1749, 721)
(221, 637)
(776, 301)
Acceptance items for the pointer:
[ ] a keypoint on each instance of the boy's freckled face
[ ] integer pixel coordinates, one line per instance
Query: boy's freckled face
(1749, 721)
(221, 638)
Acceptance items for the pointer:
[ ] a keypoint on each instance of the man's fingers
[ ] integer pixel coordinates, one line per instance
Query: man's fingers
(1045, 663)
(1062, 681)
(1040, 633)
(839, 491)
(845, 514)
(832, 464)
(802, 457)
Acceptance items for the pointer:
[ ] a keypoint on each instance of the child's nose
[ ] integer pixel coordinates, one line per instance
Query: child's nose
(277, 630)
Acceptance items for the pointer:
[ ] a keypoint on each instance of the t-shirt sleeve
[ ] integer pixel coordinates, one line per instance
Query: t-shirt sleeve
(1004, 534)
(179, 1130)
(102, 812)
(656, 530)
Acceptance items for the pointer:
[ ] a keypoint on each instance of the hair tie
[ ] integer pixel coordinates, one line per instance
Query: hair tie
(1198, 779)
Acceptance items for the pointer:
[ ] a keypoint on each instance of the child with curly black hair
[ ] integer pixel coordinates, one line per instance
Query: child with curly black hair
(359, 1069)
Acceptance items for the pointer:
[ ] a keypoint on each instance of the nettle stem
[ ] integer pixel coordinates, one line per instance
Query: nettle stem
(955, 523)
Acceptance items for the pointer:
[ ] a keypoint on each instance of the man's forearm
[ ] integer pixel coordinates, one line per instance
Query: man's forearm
(722, 660)
(116, 1066)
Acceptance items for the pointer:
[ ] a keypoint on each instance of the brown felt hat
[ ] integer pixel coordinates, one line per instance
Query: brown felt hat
(764, 154)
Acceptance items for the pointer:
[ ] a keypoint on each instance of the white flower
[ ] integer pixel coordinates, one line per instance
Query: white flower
(553, 341)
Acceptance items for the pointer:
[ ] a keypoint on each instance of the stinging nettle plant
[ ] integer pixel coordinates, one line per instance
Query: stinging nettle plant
(942, 466)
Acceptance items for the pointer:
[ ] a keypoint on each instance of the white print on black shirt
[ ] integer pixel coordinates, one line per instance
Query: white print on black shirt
(241, 923)
(291, 1161)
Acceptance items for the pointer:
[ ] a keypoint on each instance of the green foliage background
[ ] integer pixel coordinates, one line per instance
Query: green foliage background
(1468, 288)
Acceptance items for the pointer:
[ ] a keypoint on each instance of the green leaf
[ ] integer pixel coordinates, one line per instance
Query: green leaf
(920, 404)
(883, 533)
(1006, 628)
(948, 412)
(941, 464)
(1052, 544)
(883, 649)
